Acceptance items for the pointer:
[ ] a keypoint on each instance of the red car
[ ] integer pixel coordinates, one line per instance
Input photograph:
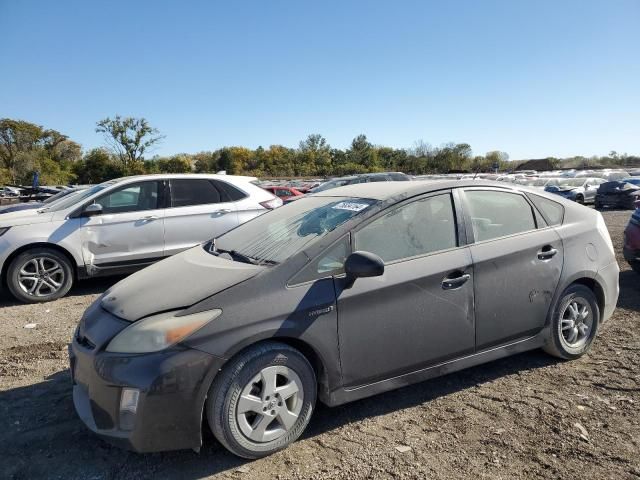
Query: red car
(287, 194)
(632, 240)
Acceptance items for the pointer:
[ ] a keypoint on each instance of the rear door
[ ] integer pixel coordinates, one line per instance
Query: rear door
(517, 261)
(130, 228)
(199, 210)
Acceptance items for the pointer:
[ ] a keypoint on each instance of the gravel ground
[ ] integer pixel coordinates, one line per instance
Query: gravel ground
(528, 416)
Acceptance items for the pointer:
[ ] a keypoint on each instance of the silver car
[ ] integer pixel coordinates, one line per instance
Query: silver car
(120, 226)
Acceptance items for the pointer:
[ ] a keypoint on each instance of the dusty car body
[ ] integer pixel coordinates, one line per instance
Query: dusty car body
(340, 295)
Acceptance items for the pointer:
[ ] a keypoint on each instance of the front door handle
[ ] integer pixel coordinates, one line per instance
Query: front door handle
(149, 218)
(223, 211)
(547, 252)
(449, 283)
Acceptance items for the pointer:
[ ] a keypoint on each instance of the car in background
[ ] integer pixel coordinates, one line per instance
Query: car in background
(618, 194)
(534, 182)
(579, 190)
(363, 178)
(8, 191)
(338, 296)
(631, 249)
(607, 174)
(286, 194)
(120, 226)
(16, 207)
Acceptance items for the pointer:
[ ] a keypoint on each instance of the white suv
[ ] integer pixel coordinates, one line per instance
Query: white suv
(120, 226)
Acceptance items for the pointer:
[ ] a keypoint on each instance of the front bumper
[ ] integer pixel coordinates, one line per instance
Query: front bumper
(172, 383)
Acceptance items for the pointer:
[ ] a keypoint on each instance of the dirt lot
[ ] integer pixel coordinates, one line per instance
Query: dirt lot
(528, 416)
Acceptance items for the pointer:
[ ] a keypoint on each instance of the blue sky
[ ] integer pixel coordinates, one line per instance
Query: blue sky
(533, 78)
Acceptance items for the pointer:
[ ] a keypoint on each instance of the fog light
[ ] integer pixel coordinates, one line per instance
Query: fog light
(128, 407)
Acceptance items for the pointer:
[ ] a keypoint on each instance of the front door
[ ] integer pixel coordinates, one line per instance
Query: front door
(420, 311)
(517, 261)
(129, 230)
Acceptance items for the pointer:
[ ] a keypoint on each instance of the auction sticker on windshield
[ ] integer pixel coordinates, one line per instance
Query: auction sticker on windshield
(351, 206)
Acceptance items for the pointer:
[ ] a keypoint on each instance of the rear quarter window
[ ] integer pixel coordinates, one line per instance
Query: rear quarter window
(552, 211)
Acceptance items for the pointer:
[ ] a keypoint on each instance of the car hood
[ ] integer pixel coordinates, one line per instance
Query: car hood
(24, 217)
(177, 282)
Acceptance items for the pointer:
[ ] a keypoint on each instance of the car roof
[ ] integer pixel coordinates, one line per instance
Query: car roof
(387, 190)
(230, 178)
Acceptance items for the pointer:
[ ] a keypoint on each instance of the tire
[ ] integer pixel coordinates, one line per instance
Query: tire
(243, 378)
(57, 272)
(561, 342)
(597, 205)
(580, 199)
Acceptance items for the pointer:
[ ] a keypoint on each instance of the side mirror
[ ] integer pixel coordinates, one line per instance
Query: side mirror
(92, 210)
(362, 264)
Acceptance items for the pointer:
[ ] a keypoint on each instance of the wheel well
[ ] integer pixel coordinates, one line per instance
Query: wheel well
(309, 353)
(597, 290)
(24, 248)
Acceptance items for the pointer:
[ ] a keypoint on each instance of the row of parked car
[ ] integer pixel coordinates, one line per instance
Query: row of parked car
(123, 225)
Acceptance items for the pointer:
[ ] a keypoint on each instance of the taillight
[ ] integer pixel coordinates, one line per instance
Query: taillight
(275, 202)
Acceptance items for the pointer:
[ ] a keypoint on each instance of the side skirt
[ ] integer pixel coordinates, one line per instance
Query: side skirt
(343, 395)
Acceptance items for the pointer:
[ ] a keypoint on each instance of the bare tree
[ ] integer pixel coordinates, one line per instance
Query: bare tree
(128, 138)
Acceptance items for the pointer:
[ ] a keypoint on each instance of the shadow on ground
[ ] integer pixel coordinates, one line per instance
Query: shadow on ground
(41, 422)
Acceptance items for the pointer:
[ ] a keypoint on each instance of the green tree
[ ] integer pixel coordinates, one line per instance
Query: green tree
(129, 138)
(16, 138)
(176, 164)
(314, 156)
(97, 166)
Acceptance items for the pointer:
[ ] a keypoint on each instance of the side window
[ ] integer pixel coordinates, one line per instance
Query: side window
(193, 191)
(418, 228)
(330, 262)
(552, 211)
(498, 214)
(131, 198)
(280, 192)
(233, 193)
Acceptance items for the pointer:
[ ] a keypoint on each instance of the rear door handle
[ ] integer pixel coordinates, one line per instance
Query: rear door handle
(547, 252)
(456, 282)
(149, 218)
(223, 211)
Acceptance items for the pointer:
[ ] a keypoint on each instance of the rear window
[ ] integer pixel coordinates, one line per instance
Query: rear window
(552, 211)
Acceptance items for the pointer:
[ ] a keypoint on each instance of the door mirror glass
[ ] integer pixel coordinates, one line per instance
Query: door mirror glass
(92, 210)
(363, 264)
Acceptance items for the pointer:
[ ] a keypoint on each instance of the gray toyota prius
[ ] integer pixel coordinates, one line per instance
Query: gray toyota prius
(338, 296)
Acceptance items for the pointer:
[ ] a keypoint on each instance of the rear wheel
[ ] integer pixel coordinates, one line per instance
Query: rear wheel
(580, 199)
(574, 324)
(262, 400)
(39, 275)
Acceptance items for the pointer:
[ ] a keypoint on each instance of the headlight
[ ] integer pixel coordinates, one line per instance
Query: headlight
(158, 332)
(4, 230)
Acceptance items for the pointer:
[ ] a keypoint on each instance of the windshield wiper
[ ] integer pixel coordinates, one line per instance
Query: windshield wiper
(237, 256)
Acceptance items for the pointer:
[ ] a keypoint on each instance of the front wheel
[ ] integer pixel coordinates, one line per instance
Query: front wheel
(580, 199)
(574, 324)
(262, 400)
(39, 275)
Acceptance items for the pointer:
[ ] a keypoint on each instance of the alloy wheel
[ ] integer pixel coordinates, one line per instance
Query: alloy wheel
(41, 277)
(576, 323)
(269, 405)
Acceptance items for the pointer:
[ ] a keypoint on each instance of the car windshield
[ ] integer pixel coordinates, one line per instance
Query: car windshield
(275, 236)
(59, 195)
(72, 199)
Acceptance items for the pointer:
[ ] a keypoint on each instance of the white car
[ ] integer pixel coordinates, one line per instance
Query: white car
(120, 226)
